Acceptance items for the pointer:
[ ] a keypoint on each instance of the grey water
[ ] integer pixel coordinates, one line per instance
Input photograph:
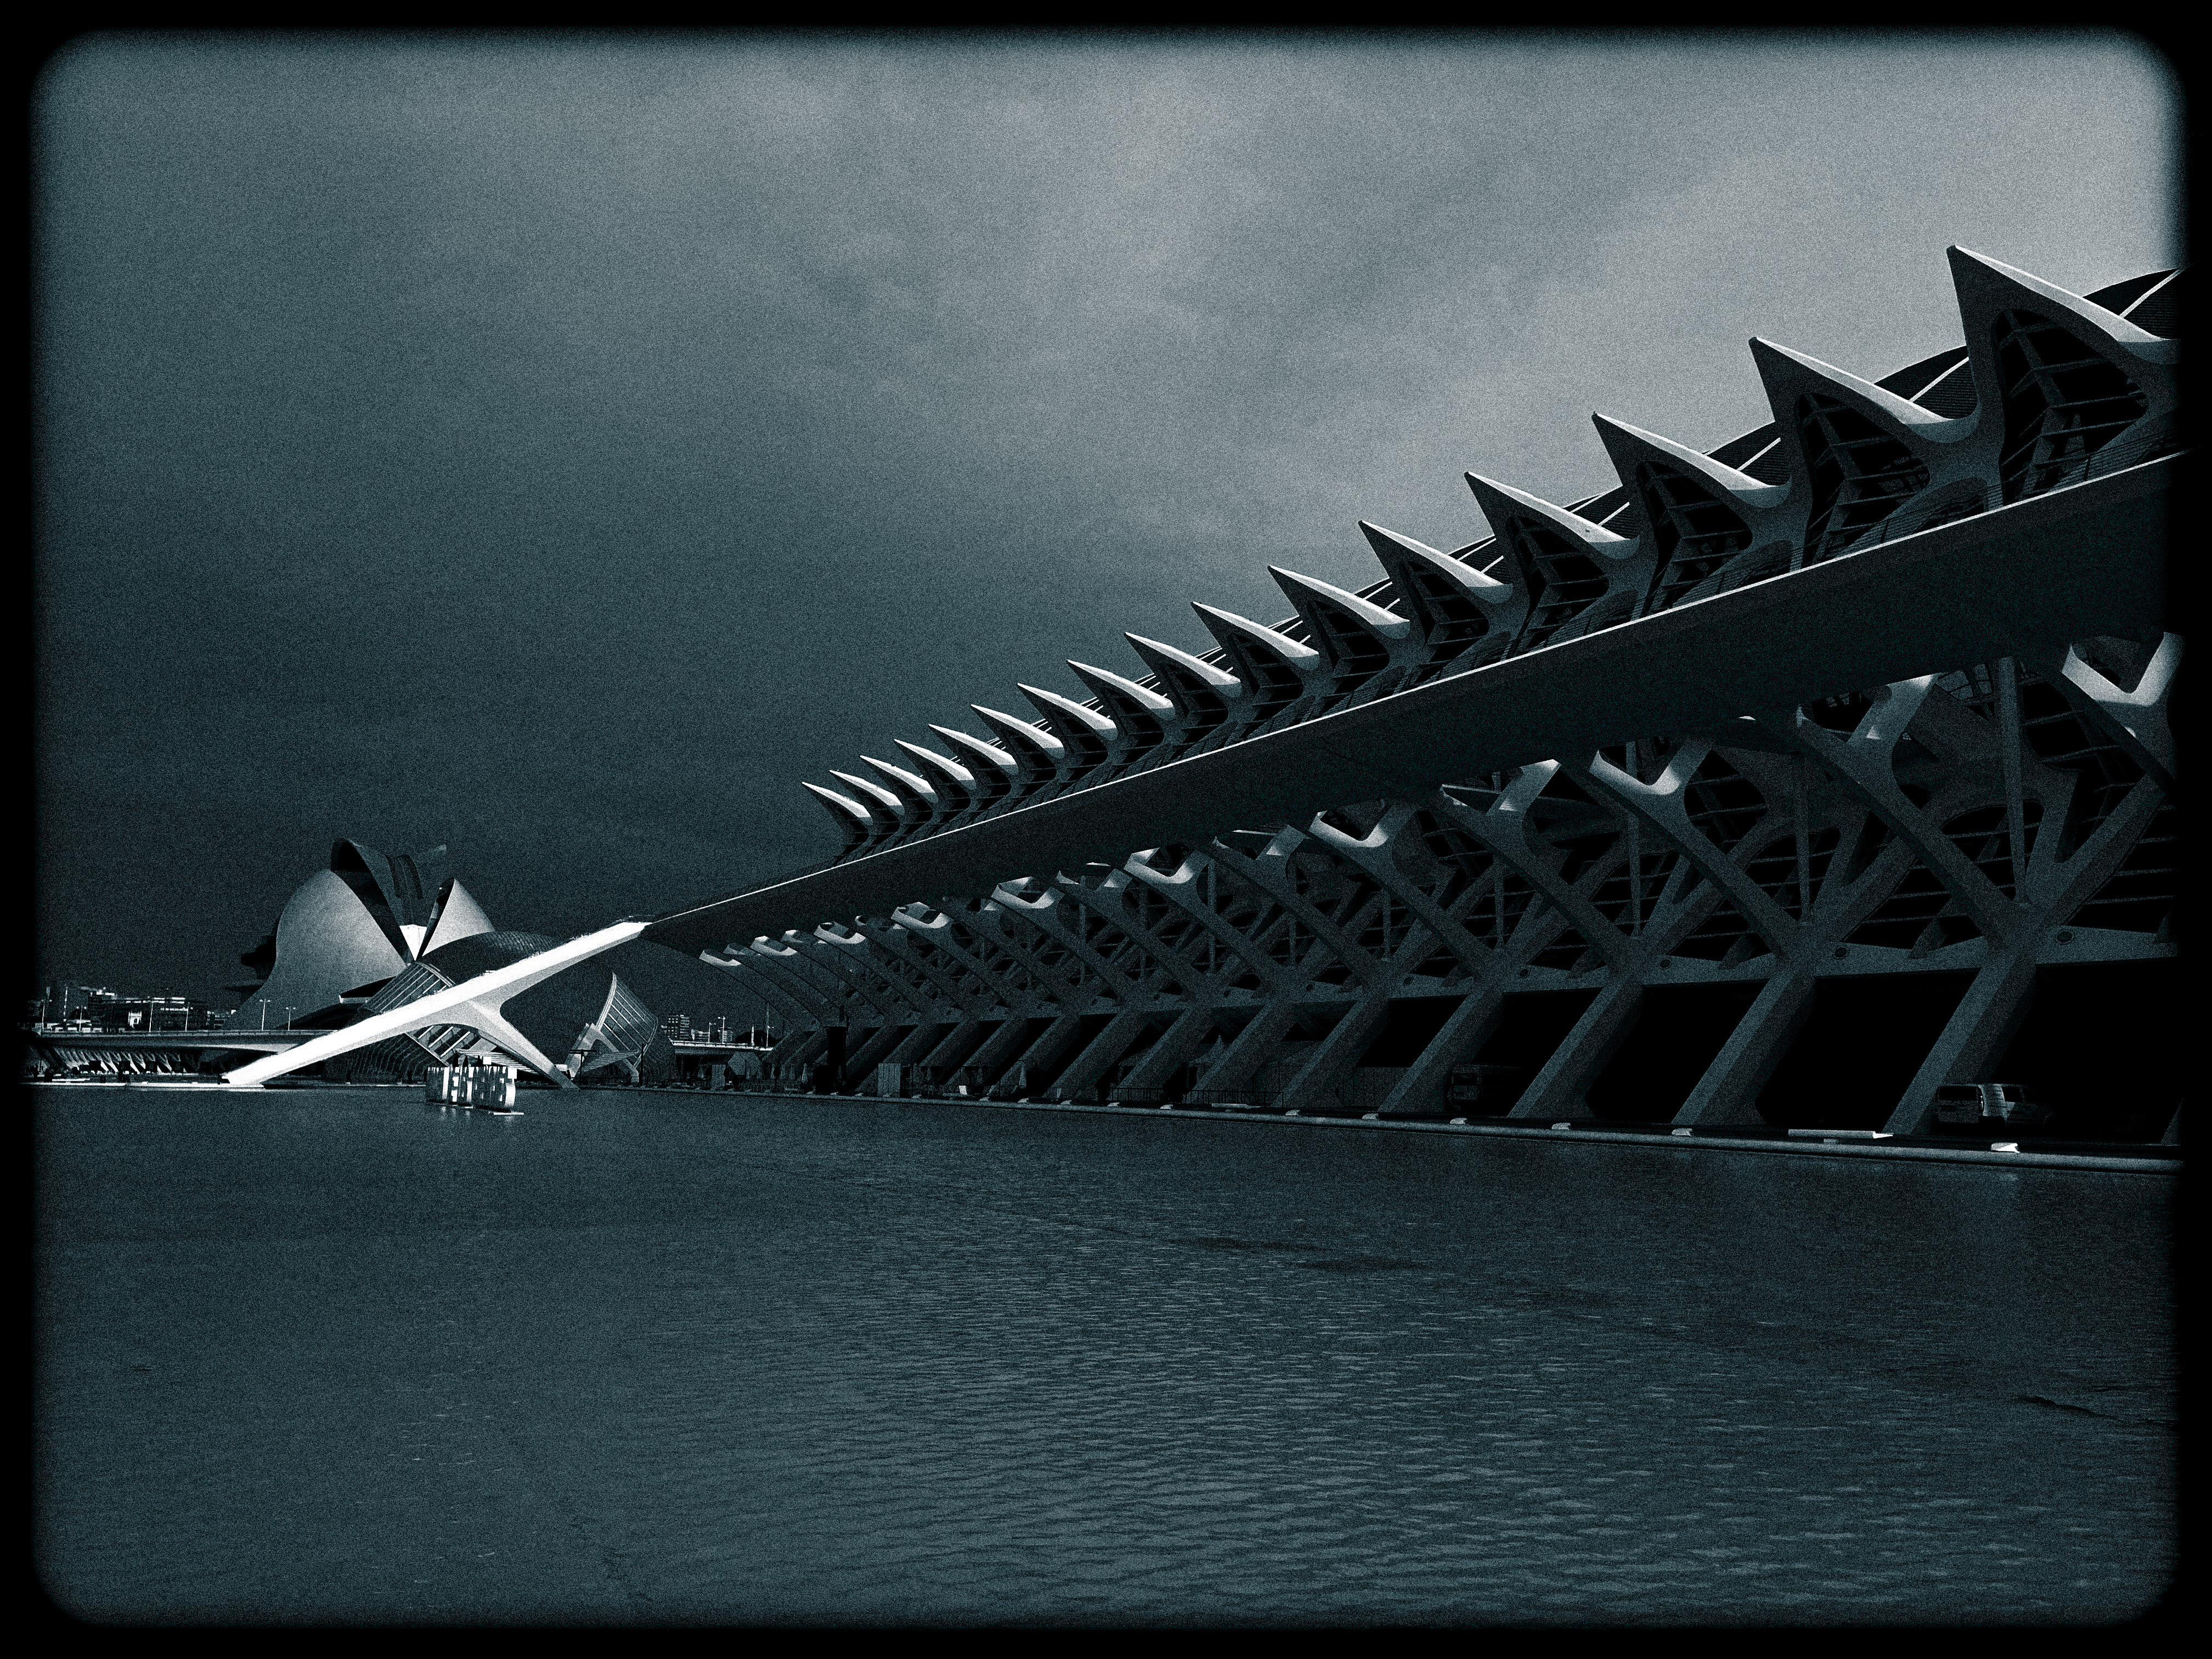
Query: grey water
(335, 1357)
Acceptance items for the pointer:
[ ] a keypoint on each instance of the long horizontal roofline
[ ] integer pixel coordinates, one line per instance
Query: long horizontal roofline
(2022, 581)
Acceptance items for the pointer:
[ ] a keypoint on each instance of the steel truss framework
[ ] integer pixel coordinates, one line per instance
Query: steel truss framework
(1971, 823)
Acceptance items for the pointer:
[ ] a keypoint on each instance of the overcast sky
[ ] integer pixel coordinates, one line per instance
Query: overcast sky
(560, 446)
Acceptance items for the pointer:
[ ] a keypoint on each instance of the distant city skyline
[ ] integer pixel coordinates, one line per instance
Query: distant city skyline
(559, 447)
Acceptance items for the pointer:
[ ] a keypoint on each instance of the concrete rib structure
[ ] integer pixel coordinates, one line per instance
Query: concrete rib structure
(1606, 809)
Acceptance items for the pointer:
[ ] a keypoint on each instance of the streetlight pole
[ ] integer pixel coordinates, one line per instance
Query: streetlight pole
(265, 1014)
(288, 1019)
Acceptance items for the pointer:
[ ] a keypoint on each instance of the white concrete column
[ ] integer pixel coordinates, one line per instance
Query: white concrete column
(1337, 1054)
(1728, 1093)
(1174, 1047)
(1464, 1031)
(1102, 1053)
(1001, 1048)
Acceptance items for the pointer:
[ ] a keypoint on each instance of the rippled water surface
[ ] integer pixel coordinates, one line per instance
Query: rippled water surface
(335, 1356)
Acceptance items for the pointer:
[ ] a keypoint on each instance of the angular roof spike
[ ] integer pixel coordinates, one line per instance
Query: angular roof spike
(1393, 550)
(944, 765)
(855, 821)
(848, 811)
(1235, 633)
(1988, 290)
(1053, 706)
(1021, 732)
(921, 787)
(1975, 276)
(1786, 372)
(1499, 501)
(1111, 687)
(1166, 659)
(1627, 445)
(871, 791)
(1304, 590)
(989, 754)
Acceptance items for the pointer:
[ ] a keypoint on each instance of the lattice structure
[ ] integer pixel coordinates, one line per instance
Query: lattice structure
(617, 1041)
(404, 1058)
(1678, 925)
(482, 1033)
(1860, 786)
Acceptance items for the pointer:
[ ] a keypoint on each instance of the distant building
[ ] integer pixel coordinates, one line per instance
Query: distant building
(375, 932)
(678, 1028)
(347, 930)
(163, 1013)
(71, 1005)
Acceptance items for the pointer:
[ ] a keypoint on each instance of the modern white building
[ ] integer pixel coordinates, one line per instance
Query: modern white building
(1788, 782)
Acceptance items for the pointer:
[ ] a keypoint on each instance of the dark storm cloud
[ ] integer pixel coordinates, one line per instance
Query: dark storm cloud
(559, 447)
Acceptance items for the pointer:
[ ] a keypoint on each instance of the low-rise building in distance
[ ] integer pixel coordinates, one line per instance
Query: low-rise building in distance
(70, 1004)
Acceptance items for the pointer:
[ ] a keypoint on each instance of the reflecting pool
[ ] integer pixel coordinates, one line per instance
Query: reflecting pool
(335, 1356)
